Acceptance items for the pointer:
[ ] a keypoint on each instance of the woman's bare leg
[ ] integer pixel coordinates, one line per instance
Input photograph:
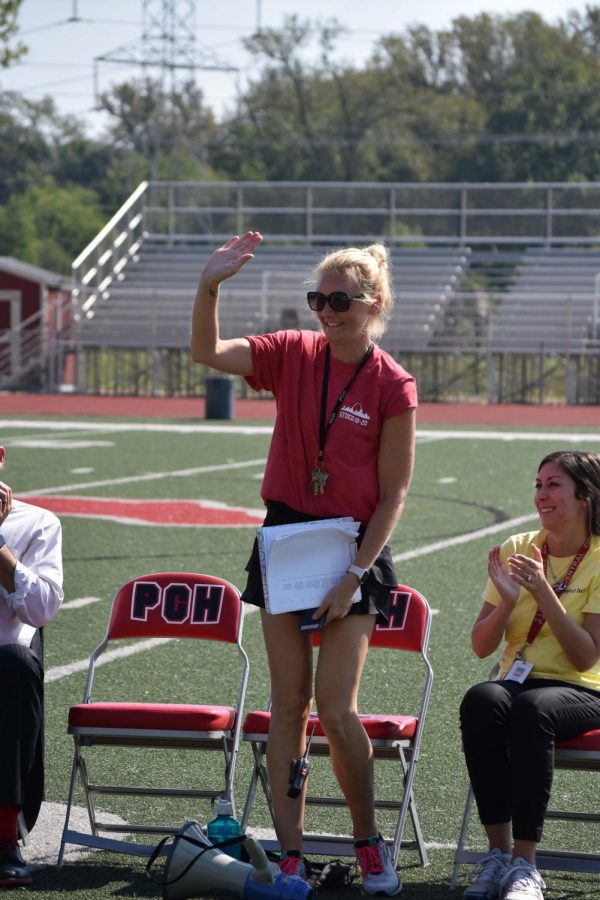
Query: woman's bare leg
(342, 654)
(290, 663)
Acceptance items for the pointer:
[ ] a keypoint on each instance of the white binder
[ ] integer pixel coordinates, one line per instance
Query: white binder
(300, 563)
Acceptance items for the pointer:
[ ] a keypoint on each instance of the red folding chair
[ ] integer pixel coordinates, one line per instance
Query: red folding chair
(395, 738)
(578, 753)
(167, 605)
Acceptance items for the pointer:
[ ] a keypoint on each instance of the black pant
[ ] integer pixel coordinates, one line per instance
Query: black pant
(509, 730)
(21, 728)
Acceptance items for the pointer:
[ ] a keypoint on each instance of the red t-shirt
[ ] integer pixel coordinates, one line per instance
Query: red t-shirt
(290, 364)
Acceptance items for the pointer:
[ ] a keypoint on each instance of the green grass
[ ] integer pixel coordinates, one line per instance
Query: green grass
(460, 485)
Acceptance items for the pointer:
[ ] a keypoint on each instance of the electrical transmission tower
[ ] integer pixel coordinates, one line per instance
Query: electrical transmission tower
(167, 43)
(168, 47)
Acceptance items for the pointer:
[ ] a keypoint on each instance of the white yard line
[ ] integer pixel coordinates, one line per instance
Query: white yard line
(79, 602)
(148, 476)
(206, 428)
(507, 525)
(117, 427)
(570, 437)
(81, 665)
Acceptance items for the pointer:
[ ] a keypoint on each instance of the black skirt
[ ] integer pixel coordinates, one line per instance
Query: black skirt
(375, 592)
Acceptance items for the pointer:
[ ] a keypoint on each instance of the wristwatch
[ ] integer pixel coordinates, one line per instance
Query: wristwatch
(2, 541)
(361, 574)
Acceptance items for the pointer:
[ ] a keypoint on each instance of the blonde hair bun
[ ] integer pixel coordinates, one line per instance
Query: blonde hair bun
(380, 253)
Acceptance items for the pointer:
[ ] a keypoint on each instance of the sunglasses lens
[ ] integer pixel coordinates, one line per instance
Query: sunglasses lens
(316, 300)
(339, 301)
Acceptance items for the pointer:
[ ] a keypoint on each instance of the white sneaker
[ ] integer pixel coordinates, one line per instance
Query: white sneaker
(378, 873)
(522, 881)
(486, 876)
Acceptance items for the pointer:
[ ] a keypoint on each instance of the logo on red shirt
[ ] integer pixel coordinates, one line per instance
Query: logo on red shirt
(355, 414)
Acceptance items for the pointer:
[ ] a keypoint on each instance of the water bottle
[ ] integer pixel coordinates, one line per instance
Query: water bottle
(224, 826)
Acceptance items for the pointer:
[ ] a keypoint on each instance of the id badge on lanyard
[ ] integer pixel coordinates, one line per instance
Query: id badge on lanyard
(520, 668)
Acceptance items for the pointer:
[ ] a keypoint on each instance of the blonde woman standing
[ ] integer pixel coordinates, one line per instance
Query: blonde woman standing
(342, 445)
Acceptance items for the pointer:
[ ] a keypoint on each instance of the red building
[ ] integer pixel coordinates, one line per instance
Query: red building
(34, 319)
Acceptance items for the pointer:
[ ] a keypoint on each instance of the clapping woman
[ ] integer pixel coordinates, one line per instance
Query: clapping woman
(543, 599)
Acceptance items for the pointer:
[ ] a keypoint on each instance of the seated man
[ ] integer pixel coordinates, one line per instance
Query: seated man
(30, 596)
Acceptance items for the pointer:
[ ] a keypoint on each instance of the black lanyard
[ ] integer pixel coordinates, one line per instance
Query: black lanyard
(324, 426)
(324, 422)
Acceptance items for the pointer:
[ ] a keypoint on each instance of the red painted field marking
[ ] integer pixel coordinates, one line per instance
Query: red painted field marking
(197, 513)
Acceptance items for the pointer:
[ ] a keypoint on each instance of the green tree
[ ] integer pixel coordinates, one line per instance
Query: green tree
(539, 84)
(35, 141)
(170, 130)
(9, 54)
(49, 225)
(24, 145)
(300, 119)
(395, 119)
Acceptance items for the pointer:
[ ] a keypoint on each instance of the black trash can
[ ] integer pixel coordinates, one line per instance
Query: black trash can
(219, 397)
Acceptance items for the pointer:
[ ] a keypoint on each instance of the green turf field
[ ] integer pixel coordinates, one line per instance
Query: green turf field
(468, 486)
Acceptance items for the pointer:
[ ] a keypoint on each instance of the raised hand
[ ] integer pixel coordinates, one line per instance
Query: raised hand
(507, 588)
(229, 259)
(528, 571)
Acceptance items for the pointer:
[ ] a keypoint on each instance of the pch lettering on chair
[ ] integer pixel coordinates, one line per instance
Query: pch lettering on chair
(399, 602)
(177, 603)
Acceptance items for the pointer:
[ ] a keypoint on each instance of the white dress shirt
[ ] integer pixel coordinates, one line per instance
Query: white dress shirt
(34, 536)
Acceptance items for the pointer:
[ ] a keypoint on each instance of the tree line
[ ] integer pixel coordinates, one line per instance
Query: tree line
(491, 98)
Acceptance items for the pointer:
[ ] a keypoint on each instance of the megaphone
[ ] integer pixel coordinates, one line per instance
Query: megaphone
(195, 867)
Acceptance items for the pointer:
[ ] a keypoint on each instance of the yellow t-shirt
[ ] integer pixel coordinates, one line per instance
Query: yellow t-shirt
(581, 596)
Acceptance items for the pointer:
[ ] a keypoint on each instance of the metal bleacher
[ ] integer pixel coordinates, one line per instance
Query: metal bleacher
(479, 272)
(150, 302)
(552, 302)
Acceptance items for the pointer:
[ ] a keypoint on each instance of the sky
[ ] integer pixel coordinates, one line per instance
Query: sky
(66, 38)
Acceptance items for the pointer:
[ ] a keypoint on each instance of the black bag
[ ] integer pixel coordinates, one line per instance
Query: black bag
(330, 876)
(325, 876)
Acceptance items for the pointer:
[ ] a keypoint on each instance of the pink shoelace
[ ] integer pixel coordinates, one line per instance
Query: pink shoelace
(292, 865)
(369, 859)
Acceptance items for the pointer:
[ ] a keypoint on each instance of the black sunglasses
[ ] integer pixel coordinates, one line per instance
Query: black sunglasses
(338, 300)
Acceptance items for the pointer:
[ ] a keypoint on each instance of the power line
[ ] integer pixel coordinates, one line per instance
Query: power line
(385, 141)
(49, 26)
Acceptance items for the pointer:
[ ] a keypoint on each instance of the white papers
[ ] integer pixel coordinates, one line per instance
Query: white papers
(300, 563)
